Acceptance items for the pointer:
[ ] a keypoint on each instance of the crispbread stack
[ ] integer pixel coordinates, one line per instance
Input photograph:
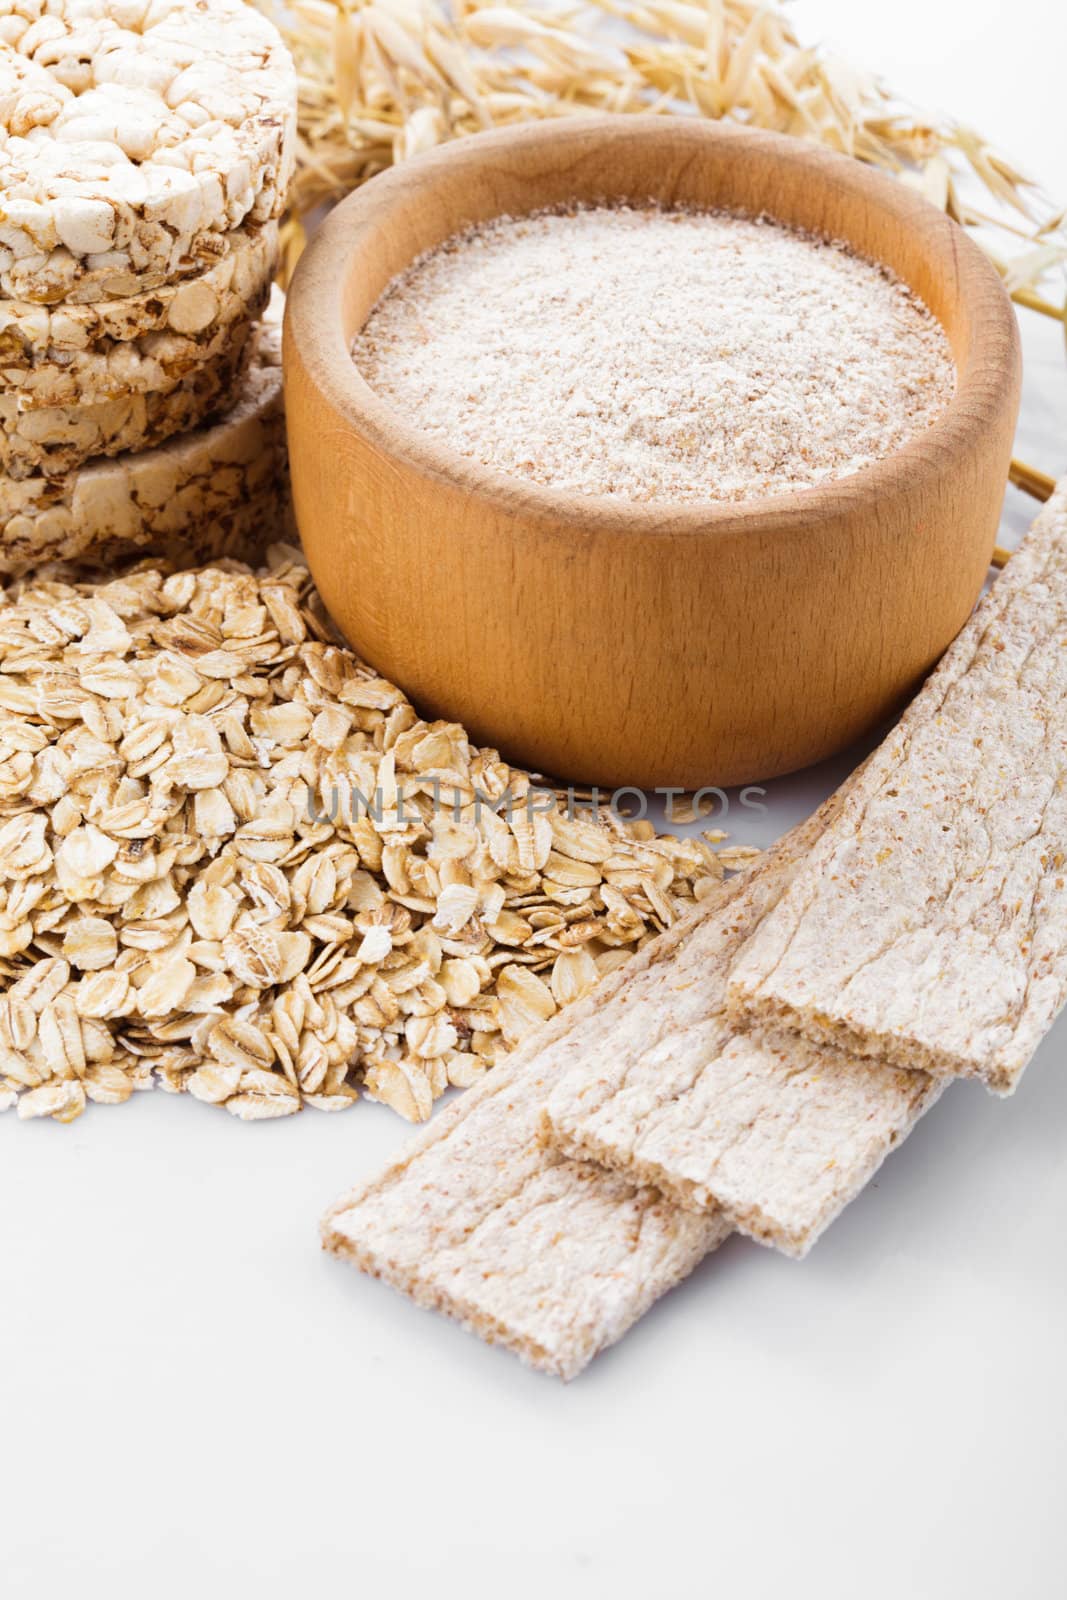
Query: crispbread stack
(146, 157)
(493, 1219)
(752, 1067)
(777, 1134)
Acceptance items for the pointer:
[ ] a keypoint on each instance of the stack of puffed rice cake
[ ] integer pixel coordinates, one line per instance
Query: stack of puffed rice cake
(147, 149)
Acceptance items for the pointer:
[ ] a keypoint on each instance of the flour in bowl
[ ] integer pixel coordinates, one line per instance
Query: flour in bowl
(657, 355)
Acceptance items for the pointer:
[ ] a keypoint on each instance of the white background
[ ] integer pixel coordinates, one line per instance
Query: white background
(195, 1401)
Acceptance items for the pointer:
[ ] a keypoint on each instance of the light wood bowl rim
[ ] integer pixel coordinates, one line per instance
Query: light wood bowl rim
(316, 317)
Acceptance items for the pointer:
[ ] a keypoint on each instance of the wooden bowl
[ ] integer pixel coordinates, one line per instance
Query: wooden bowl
(646, 644)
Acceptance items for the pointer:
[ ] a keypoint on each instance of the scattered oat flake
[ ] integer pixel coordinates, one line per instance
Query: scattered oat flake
(736, 856)
(194, 897)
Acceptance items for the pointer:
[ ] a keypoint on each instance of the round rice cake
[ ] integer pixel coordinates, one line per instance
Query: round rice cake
(60, 279)
(63, 401)
(57, 355)
(56, 440)
(221, 491)
(132, 134)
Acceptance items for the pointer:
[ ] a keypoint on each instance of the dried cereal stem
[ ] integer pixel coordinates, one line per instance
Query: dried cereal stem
(381, 81)
(1031, 481)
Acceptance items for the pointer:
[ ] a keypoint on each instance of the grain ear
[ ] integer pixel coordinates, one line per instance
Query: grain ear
(361, 110)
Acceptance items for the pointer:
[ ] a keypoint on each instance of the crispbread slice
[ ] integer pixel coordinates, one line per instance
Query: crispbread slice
(554, 1259)
(780, 1134)
(929, 925)
(550, 1257)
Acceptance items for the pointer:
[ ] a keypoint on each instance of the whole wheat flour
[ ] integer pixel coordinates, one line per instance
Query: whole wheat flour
(657, 355)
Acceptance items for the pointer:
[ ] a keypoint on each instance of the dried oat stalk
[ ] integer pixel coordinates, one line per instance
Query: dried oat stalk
(234, 861)
(385, 80)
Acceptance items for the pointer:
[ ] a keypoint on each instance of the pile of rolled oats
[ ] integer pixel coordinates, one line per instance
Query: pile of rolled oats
(234, 861)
